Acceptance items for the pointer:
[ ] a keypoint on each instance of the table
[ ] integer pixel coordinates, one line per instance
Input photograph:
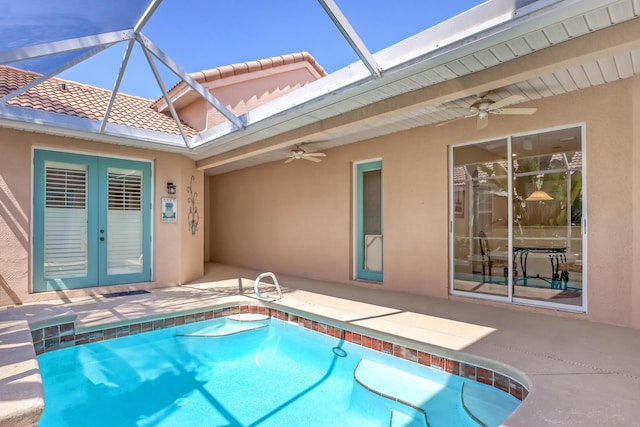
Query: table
(556, 256)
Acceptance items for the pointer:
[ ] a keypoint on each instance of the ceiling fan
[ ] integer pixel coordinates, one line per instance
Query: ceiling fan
(298, 153)
(484, 106)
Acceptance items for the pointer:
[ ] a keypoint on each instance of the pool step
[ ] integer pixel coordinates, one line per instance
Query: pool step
(228, 327)
(477, 401)
(400, 419)
(398, 386)
(248, 317)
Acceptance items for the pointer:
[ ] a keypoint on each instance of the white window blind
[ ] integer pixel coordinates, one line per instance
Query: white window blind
(65, 228)
(124, 222)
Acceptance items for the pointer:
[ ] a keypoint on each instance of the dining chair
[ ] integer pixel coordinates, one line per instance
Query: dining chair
(488, 263)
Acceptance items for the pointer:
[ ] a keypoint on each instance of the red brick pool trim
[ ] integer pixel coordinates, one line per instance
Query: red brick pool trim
(64, 335)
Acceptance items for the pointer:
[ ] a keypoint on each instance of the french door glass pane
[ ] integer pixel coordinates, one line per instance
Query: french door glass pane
(480, 223)
(65, 221)
(124, 221)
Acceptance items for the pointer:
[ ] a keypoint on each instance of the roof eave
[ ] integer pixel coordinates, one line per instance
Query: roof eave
(70, 126)
(503, 22)
(355, 79)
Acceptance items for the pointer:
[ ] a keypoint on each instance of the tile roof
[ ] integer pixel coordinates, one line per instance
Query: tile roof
(88, 102)
(253, 66)
(227, 71)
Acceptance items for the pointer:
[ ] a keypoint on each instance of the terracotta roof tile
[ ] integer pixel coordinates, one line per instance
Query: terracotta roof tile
(227, 71)
(251, 66)
(277, 61)
(74, 99)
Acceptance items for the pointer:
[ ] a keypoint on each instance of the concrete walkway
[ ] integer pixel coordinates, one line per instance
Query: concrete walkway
(579, 373)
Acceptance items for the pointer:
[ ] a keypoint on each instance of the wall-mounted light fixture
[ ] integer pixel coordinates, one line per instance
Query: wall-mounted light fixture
(171, 188)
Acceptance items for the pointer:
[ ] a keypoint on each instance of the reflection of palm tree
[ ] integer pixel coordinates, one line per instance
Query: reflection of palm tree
(554, 183)
(502, 181)
(540, 213)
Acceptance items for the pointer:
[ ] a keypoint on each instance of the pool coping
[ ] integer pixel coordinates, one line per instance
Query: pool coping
(59, 331)
(582, 372)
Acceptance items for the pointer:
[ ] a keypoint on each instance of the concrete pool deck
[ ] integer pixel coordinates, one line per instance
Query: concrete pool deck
(579, 373)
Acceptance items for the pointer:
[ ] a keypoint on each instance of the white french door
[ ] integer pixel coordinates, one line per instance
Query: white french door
(91, 221)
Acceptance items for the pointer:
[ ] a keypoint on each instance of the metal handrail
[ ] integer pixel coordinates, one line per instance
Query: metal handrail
(275, 282)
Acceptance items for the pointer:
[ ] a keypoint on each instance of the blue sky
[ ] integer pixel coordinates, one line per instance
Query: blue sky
(203, 34)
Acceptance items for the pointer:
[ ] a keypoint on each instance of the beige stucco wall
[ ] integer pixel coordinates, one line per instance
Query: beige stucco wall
(177, 255)
(635, 198)
(297, 218)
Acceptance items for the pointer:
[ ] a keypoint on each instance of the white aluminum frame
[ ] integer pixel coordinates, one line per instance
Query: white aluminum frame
(510, 298)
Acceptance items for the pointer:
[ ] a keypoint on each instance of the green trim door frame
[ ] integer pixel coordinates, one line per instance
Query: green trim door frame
(85, 274)
(91, 221)
(369, 223)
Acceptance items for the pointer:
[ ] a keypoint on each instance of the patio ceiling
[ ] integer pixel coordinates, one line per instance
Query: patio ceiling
(412, 83)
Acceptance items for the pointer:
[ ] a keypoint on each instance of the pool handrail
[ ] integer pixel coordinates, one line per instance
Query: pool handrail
(275, 282)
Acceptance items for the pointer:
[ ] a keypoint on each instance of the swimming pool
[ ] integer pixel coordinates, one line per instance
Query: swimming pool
(267, 373)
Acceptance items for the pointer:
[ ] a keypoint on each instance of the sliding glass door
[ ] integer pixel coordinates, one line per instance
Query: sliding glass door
(517, 219)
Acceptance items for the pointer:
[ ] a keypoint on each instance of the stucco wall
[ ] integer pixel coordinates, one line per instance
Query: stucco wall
(635, 197)
(245, 92)
(15, 213)
(297, 218)
(177, 255)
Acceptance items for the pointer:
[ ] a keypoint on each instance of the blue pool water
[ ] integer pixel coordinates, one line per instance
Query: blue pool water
(216, 373)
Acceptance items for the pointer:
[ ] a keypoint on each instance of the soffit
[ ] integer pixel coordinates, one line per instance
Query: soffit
(456, 79)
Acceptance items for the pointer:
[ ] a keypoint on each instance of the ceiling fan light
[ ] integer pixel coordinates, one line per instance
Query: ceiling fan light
(539, 196)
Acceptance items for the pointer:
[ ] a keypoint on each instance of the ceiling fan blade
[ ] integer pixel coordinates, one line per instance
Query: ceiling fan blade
(518, 111)
(289, 160)
(312, 159)
(504, 102)
(483, 121)
(315, 155)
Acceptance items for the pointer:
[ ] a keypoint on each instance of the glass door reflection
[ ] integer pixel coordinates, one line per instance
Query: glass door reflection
(547, 211)
(480, 223)
(516, 219)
